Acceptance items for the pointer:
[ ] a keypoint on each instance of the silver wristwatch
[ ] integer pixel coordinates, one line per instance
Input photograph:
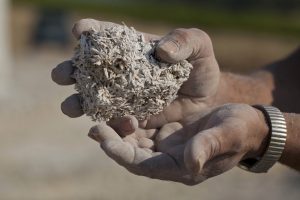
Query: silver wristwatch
(278, 132)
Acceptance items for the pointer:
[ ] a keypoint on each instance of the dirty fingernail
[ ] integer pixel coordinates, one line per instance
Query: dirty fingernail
(169, 46)
(71, 106)
(127, 125)
(93, 134)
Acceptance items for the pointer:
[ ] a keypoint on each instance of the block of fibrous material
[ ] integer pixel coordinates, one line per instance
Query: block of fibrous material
(117, 74)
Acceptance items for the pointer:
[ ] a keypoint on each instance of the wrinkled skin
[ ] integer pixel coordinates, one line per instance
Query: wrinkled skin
(189, 152)
(195, 94)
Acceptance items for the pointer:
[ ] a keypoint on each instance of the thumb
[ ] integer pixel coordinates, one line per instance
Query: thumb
(182, 44)
(201, 148)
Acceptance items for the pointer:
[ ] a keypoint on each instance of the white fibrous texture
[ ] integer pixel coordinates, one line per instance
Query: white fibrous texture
(117, 74)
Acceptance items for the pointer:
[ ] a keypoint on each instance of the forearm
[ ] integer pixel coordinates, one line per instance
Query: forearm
(250, 89)
(291, 153)
(277, 84)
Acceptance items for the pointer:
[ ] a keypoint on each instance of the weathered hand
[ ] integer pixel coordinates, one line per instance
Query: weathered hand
(194, 95)
(197, 93)
(199, 147)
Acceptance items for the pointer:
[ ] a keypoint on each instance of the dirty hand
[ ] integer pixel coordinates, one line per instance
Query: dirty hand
(200, 147)
(194, 95)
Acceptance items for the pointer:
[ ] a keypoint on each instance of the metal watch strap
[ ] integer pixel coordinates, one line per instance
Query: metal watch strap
(278, 133)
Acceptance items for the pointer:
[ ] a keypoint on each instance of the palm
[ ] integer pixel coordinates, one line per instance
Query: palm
(201, 146)
(153, 153)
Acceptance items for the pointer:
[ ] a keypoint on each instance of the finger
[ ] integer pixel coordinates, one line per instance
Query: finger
(85, 25)
(124, 125)
(200, 148)
(203, 80)
(164, 166)
(146, 143)
(62, 74)
(177, 153)
(142, 162)
(171, 113)
(121, 152)
(170, 135)
(150, 133)
(218, 142)
(195, 46)
(176, 111)
(103, 132)
(132, 140)
(150, 151)
(126, 155)
(71, 106)
(182, 44)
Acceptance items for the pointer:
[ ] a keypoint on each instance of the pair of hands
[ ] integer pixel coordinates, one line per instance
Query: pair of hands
(188, 141)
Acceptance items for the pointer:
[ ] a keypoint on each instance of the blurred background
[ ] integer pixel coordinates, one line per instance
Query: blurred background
(45, 155)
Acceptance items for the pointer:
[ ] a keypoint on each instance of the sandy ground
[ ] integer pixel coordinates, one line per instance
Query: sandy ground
(45, 155)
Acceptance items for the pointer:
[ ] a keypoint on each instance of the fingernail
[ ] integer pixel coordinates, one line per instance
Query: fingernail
(169, 46)
(71, 106)
(126, 125)
(93, 134)
(142, 123)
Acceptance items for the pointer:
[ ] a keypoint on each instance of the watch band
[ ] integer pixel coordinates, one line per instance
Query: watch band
(278, 133)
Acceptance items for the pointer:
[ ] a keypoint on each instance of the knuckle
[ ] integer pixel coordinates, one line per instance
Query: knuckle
(80, 25)
(190, 34)
(83, 22)
(95, 129)
(181, 33)
(215, 144)
(192, 157)
(93, 133)
(190, 182)
(202, 41)
(200, 33)
(171, 127)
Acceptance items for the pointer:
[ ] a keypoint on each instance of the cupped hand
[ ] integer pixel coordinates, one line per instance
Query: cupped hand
(199, 147)
(195, 94)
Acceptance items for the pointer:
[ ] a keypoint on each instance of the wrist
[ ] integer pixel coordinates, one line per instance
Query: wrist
(261, 163)
(263, 135)
(260, 136)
